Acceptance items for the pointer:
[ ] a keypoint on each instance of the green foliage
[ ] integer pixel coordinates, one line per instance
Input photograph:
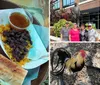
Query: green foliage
(94, 26)
(58, 26)
(70, 24)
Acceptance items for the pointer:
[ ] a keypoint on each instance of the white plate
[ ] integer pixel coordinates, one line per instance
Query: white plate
(37, 51)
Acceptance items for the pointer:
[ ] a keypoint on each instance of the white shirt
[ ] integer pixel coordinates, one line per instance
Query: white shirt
(92, 34)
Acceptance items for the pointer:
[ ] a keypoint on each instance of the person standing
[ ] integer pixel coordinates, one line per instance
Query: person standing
(92, 34)
(74, 33)
(64, 32)
(83, 33)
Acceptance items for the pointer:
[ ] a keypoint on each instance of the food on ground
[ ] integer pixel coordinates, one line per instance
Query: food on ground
(10, 72)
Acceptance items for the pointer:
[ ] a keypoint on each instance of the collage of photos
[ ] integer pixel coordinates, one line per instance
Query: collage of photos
(49, 42)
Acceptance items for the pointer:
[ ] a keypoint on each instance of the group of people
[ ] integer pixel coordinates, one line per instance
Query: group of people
(78, 33)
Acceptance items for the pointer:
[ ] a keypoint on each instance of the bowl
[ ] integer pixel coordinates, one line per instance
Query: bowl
(18, 21)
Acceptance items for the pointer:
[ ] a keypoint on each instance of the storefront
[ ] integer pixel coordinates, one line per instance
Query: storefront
(92, 16)
(90, 11)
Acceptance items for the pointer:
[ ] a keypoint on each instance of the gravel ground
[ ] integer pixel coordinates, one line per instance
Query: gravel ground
(90, 74)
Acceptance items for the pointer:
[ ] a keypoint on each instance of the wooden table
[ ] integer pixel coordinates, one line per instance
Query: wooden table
(43, 68)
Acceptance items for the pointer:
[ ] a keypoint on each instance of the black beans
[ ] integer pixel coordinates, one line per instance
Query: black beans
(17, 40)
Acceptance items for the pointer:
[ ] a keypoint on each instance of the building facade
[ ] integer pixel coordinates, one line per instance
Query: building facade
(90, 10)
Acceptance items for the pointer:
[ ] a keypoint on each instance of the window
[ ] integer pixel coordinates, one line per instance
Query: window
(68, 2)
(57, 4)
(91, 17)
